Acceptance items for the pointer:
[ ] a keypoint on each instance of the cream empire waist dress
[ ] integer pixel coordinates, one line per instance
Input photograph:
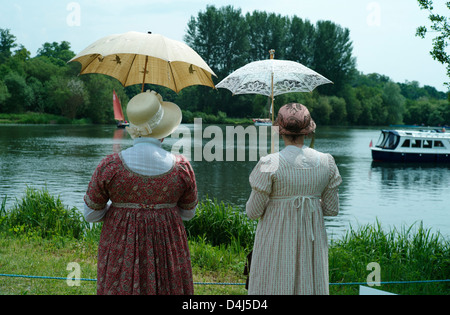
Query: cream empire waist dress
(292, 191)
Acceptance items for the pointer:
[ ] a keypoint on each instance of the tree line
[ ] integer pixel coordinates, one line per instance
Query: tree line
(227, 40)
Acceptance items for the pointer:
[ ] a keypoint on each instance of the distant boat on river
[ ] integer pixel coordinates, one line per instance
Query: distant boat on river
(118, 113)
(262, 122)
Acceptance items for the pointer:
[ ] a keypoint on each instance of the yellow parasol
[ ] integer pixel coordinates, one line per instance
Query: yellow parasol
(139, 58)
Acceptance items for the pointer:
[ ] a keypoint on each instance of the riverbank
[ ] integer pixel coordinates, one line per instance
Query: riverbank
(46, 119)
(40, 119)
(40, 237)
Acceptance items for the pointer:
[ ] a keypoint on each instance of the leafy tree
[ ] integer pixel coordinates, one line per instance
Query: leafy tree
(220, 37)
(333, 56)
(58, 54)
(301, 37)
(321, 110)
(38, 101)
(352, 104)
(42, 68)
(440, 26)
(339, 113)
(7, 43)
(4, 95)
(373, 112)
(99, 89)
(266, 31)
(21, 95)
(394, 101)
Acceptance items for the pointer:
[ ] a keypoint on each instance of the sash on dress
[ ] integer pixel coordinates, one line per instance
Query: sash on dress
(144, 206)
(299, 203)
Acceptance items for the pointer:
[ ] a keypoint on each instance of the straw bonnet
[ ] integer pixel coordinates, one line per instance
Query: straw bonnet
(149, 116)
(294, 119)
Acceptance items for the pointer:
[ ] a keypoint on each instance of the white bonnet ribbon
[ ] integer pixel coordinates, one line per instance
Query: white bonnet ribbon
(146, 129)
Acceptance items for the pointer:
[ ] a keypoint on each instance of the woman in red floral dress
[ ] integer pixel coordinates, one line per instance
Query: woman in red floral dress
(143, 246)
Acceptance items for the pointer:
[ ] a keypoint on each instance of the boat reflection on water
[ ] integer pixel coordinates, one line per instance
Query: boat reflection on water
(412, 174)
(404, 194)
(413, 185)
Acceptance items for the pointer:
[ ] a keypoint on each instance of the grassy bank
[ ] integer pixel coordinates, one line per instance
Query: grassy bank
(40, 118)
(41, 236)
(43, 118)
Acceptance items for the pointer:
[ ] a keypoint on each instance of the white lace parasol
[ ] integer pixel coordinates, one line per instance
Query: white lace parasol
(288, 76)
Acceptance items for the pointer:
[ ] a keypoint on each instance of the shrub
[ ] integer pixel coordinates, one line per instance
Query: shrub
(221, 224)
(40, 214)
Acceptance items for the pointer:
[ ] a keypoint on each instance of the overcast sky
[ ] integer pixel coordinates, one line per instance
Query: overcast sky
(383, 31)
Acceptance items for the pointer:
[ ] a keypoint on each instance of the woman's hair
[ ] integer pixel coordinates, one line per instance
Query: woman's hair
(293, 138)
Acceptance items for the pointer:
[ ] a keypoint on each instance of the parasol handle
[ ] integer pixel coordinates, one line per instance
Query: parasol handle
(272, 55)
(145, 72)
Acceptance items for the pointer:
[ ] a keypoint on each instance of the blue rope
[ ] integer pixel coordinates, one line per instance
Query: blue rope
(225, 283)
(45, 277)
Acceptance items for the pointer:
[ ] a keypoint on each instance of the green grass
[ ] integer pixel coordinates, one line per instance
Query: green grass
(409, 254)
(40, 236)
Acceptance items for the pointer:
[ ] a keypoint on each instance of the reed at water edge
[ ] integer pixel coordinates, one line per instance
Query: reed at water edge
(38, 229)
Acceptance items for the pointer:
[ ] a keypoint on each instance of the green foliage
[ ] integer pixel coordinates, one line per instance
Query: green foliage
(441, 26)
(411, 253)
(39, 214)
(7, 42)
(48, 84)
(221, 224)
(227, 40)
(39, 233)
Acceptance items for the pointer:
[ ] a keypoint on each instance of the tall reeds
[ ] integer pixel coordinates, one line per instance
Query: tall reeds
(408, 254)
(40, 214)
(221, 224)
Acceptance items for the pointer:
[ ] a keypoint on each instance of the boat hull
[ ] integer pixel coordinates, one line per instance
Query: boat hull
(263, 124)
(122, 125)
(392, 156)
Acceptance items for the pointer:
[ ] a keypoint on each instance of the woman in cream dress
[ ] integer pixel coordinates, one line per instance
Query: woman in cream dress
(292, 191)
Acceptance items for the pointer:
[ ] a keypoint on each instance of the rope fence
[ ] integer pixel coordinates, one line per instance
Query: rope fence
(225, 283)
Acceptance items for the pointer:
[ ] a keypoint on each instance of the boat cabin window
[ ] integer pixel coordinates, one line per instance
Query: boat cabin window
(416, 144)
(427, 144)
(388, 141)
(382, 139)
(438, 144)
(406, 143)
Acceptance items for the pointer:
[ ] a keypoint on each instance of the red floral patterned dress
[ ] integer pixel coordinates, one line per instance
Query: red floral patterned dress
(143, 246)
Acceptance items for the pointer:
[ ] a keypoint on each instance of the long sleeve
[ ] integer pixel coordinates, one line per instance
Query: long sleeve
(187, 204)
(93, 216)
(330, 196)
(261, 184)
(97, 196)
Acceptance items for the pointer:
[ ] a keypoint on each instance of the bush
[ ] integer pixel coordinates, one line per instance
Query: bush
(40, 214)
(221, 224)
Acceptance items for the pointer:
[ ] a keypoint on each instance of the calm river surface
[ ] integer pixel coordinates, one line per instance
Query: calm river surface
(63, 158)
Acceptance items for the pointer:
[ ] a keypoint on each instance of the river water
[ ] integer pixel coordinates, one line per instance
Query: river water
(63, 158)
